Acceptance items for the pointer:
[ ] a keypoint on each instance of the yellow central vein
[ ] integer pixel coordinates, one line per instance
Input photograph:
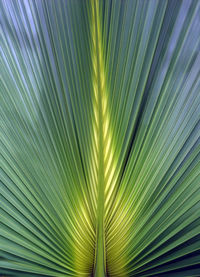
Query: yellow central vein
(99, 93)
(103, 145)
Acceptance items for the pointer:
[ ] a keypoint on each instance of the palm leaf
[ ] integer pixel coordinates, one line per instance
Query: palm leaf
(100, 146)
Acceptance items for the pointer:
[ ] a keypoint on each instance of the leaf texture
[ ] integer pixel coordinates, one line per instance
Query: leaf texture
(99, 138)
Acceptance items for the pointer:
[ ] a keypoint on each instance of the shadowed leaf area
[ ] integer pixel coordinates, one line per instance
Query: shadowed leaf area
(99, 138)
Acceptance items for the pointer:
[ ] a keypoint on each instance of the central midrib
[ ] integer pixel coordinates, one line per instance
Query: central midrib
(100, 233)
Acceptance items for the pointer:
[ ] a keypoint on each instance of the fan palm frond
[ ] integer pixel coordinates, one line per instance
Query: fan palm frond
(100, 144)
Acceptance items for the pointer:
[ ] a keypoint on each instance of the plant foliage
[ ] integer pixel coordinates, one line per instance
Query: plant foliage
(99, 138)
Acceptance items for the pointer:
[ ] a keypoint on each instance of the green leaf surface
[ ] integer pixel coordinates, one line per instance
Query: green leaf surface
(99, 138)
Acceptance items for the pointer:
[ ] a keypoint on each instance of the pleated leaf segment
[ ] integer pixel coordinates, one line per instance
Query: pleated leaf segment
(99, 138)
